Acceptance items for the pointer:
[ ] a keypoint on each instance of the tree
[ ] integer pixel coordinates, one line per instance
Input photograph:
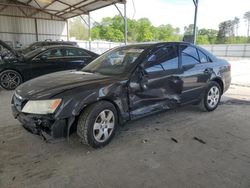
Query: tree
(78, 29)
(188, 30)
(166, 33)
(206, 36)
(226, 29)
(202, 39)
(144, 30)
(236, 25)
(247, 18)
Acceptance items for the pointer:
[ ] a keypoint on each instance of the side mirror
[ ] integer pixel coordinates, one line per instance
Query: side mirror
(43, 57)
(151, 61)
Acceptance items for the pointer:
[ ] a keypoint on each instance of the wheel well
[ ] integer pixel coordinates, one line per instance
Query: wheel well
(74, 125)
(219, 81)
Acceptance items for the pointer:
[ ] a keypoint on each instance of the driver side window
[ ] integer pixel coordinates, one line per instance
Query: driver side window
(164, 59)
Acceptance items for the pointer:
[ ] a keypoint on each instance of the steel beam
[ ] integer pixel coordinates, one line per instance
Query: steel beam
(195, 20)
(89, 28)
(89, 24)
(124, 16)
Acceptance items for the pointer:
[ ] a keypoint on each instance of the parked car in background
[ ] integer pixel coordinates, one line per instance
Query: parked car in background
(123, 84)
(19, 68)
(40, 44)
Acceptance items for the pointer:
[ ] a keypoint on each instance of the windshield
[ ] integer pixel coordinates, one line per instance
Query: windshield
(33, 53)
(116, 61)
(31, 47)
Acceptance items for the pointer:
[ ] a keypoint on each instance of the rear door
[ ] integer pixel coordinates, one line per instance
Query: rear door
(195, 72)
(75, 58)
(156, 86)
(47, 62)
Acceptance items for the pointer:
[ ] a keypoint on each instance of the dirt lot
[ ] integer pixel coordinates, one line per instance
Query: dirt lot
(177, 148)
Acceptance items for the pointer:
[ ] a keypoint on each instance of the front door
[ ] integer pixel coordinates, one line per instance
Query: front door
(47, 62)
(75, 58)
(156, 85)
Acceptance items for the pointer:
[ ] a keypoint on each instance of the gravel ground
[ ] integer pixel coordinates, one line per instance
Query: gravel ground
(178, 148)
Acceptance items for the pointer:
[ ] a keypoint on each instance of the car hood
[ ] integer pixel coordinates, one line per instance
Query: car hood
(6, 46)
(50, 85)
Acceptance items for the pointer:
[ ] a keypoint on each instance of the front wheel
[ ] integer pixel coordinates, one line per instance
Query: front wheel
(10, 79)
(211, 98)
(97, 124)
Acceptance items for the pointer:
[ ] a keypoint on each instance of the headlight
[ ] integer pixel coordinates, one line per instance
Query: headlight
(41, 106)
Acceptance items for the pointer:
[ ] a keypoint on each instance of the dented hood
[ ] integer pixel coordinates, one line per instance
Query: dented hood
(50, 85)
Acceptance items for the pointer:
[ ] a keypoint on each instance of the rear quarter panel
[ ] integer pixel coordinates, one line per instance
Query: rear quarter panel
(222, 70)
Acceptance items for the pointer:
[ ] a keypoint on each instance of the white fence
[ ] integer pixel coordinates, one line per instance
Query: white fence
(222, 50)
(229, 50)
(98, 46)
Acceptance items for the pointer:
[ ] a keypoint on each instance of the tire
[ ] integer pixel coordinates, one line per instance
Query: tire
(10, 79)
(211, 98)
(97, 124)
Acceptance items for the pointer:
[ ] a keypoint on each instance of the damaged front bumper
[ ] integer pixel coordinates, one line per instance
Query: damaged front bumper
(43, 125)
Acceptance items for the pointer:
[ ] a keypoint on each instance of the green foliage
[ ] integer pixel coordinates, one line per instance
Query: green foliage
(188, 30)
(207, 36)
(202, 39)
(78, 29)
(167, 33)
(141, 30)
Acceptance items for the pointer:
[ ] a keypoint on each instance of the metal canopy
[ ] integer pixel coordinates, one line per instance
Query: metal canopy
(53, 9)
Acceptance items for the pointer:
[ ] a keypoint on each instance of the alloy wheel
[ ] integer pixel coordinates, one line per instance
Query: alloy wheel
(213, 96)
(10, 80)
(104, 125)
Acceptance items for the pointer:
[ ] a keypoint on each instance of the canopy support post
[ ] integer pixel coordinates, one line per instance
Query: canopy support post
(195, 20)
(124, 16)
(89, 24)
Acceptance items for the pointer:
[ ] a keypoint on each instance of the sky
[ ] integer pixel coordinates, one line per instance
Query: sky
(180, 13)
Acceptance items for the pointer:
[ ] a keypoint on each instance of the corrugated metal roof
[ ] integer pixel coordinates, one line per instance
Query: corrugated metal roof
(55, 9)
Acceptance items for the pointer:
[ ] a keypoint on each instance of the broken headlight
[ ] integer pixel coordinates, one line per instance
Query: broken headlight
(41, 106)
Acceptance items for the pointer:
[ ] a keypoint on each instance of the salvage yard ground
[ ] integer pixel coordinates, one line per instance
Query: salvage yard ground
(177, 148)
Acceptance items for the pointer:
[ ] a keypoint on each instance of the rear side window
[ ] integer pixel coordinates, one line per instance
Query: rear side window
(203, 57)
(189, 55)
(72, 52)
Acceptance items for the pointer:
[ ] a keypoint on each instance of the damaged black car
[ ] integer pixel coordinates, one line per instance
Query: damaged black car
(123, 84)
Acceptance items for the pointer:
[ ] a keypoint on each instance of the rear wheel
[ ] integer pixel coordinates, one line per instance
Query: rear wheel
(97, 124)
(211, 98)
(10, 79)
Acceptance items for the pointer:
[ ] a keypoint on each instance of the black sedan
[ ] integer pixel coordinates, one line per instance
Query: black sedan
(41, 44)
(22, 67)
(123, 84)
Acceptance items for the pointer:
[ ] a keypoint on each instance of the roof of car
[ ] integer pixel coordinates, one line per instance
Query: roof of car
(157, 43)
(66, 46)
(61, 46)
